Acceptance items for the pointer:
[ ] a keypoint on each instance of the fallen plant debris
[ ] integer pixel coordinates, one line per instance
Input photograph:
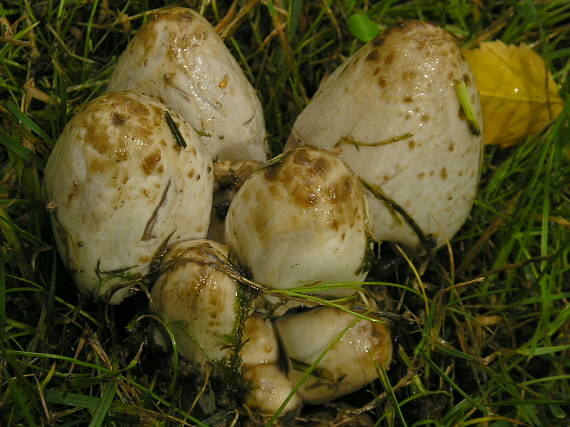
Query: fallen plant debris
(519, 96)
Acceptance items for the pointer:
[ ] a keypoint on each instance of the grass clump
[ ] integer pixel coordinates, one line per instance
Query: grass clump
(483, 341)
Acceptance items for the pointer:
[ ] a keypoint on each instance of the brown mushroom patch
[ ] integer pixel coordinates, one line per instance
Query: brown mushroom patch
(117, 119)
(97, 166)
(379, 41)
(147, 36)
(373, 56)
(73, 192)
(121, 155)
(390, 58)
(341, 191)
(150, 162)
(98, 139)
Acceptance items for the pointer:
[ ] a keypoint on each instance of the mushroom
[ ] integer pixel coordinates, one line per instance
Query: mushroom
(269, 387)
(300, 220)
(200, 303)
(136, 176)
(403, 130)
(197, 299)
(259, 342)
(350, 363)
(179, 58)
(268, 384)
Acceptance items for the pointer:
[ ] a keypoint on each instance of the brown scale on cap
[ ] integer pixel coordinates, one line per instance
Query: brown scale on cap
(150, 162)
(302, 175)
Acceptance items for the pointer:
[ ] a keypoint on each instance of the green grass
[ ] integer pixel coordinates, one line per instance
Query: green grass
(484, 341)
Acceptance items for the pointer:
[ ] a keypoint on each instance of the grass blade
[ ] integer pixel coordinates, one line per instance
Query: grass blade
(29, 123)
(2, 300)
(14, 146)
(107, 397)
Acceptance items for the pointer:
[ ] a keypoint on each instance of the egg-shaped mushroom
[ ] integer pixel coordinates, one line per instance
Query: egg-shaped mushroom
(126, 176)
(392, 112)
(178, 57)
(353, 351)
(269, 387)
(268, 384)
(300, 220)
(197, 299)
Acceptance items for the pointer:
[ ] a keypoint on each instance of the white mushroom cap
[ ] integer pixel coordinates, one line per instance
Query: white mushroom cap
(269, 389)
(178, 57)
(197, 299)
(350, 364)
(300, 220)
(402, 86)
(119, 185)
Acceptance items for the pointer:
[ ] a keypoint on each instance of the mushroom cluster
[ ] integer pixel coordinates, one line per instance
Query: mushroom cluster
(136, 201)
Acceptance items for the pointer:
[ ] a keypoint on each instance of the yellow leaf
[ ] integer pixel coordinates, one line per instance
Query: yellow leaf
(518, 94)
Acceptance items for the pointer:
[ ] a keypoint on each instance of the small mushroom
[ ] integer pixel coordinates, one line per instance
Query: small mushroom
(268, 384)
(269, 389)
(126, 176)
(393, 114)
(197, 299)
(259, 342)
(178, 57)
(299, 220)
(349, 364)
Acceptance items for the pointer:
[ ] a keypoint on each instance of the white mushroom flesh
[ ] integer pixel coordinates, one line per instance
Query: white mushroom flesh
(392, 113)
(300, 220)
(119, 185)
(178, 57)
(348, 365)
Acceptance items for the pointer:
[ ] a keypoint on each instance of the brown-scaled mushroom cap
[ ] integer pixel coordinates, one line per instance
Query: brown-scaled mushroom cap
(299, 220)
(118, 184)
(197, 299)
